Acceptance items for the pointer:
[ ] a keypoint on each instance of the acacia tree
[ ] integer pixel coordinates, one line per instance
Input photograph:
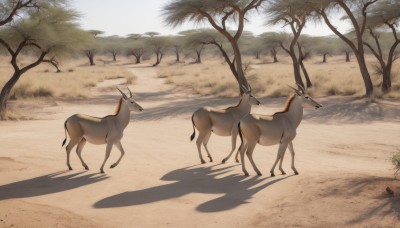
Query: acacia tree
(252, 45)
(304, 52)
(159, 45)
(217, 14)
(294, 14)
(91, 49)
(45, 34)
(384, 15)
(11, 8)
(325, 46)
(177, 46)
(355, 12)
(136, 47)
(271, 41)
(195, 40)
(113, 45)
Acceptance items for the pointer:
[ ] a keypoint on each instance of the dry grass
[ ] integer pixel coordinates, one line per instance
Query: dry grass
(42, 82)
(73, 82)
(336, 77)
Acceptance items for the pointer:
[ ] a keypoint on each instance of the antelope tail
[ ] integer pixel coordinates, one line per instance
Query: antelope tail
(194, 130)
(65, 129)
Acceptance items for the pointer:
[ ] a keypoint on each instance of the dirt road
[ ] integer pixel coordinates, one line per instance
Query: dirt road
(342, 154)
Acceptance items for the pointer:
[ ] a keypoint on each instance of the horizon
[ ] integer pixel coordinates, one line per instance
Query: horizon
(150, 20)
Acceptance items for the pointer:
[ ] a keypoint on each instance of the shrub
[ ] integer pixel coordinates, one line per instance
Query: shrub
(396, 162)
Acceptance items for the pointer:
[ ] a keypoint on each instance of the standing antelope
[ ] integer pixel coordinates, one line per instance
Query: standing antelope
(221, 122)
(107, 130)
(279, 128)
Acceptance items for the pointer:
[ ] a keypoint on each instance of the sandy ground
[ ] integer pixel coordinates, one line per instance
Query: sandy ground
(342, 154)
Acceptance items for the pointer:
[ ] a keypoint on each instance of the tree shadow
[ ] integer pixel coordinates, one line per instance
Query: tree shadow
(370, 188)
(354, 111)
(186, 107)
(237, 189)
(48, 184)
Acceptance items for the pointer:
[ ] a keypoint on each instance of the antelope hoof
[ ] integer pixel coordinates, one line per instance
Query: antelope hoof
(113, 165)
(203, 162)
(283, 172)
(272, 174)
(69, 167)
(259, 173)
(223, 161)
(87, 168)
(101, 171)
(296, 173)
(246, 173)
(211, 160)
(237, 161)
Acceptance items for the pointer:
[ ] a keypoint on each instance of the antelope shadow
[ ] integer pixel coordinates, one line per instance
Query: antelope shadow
(48, 184)
(237, 189)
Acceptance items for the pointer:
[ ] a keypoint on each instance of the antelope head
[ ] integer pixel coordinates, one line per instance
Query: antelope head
(305, 98)
(252, 99)
(132, 104)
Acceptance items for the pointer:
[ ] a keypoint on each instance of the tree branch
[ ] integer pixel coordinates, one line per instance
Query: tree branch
(7, 46)
(391, 26)
(214, 24)
(364, 13)
(19, 5)
(334, 30)
(53, 62)
(36, 63)
(227, 15)
(376, 38)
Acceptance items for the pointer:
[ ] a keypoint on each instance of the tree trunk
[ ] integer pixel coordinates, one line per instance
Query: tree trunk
(198, 56)
(365, 75)
(159, 56)
(177, 56)
(239, 67)
(137, 59)
(296, 69)
(274, 54)
(386, 82)
(257, 54)
(275, 59)
(347, 56)
(324, 58)
(305, 73)
(91, 60)
(5, 93)
(358, 49)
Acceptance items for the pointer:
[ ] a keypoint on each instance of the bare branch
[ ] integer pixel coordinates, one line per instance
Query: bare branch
(19, 5)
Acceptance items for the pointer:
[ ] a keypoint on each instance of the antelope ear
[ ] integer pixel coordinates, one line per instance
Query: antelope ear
(246, 90)
(123, 94)
(303, 90)
(295, 90)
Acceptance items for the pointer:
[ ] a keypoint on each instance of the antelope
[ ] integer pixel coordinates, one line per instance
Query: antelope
(221, 122)
(107, 130)
(280, 128)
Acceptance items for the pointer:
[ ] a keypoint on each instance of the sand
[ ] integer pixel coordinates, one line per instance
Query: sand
(342, 154)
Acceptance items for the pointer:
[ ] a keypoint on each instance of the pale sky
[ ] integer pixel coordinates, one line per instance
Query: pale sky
(122, 17)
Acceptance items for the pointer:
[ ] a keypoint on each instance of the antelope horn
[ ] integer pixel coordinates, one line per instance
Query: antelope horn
(295, 90)
(129, 92)
(302, 88)
(123, 94)
(246, 90)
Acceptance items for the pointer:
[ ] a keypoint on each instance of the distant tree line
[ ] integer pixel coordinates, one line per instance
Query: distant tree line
(47, 31)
